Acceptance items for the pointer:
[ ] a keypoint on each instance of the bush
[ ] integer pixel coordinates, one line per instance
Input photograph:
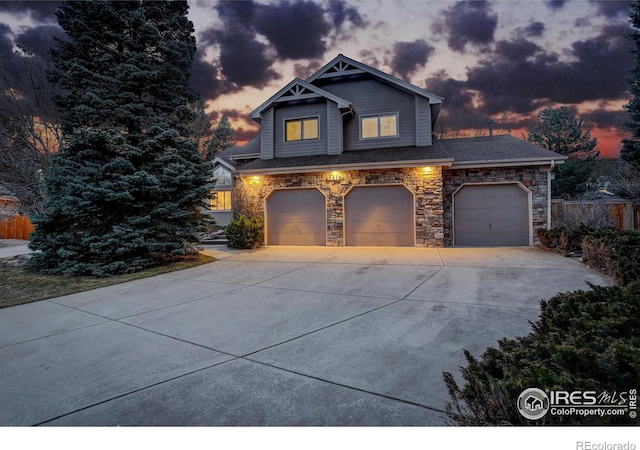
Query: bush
(582, 341)
(617, 253)
(245, 232)
(563, 240)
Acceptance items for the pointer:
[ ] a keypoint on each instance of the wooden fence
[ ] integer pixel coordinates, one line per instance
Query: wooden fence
(622, 214)
(16, 227)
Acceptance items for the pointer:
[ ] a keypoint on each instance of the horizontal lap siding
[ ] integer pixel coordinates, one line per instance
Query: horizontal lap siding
(266, 130)
(305, 147)
(371, 97)
(424, 122)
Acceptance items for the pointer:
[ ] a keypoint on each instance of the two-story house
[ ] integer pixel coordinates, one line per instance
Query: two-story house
(348, 157)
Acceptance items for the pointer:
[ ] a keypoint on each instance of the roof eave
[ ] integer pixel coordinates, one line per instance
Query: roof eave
(445, 162)
(508, 162)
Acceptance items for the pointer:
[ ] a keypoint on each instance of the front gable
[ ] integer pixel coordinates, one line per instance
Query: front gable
(297, 107)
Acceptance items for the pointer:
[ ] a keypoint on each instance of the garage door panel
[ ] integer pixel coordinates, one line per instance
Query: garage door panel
(296, 217)
(379, 216)
(491, 215)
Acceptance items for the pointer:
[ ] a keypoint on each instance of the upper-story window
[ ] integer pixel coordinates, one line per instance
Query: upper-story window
(380, 125)
(221, 176)
(301, 129)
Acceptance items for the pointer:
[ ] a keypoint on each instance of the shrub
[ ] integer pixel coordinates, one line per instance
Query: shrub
(563, 240)
(582, 341)
(245, 232)
(617, 253)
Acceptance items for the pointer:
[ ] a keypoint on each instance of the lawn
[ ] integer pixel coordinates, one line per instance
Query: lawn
(19, 286)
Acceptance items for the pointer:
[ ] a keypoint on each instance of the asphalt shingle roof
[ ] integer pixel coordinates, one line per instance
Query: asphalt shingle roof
(481, 150)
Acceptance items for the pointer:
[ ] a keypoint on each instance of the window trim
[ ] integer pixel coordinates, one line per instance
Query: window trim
(301, 119)
(228, 172)
(223, 191)
(378, 116)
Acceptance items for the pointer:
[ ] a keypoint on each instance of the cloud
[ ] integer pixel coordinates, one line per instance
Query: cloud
(206, 80)
(305, 39)
(38, 10)
(243, 60)
(341, 13)
(6, 49)
(520, 77)
(604, 118)
(409, 56)
(39, 39)
(469, 22)
(535, 29)
(457, 97)
(612, 9)
(555, 5)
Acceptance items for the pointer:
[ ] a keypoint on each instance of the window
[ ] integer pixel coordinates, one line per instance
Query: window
(221, 176)
(301, 129)
(383, 125)
(221, 201)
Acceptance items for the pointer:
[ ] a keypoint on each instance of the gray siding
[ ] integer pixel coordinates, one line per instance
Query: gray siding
(305, 147)
(222, 218)
(266, 131)
(423, 112)
(334, 133)
(371, 97)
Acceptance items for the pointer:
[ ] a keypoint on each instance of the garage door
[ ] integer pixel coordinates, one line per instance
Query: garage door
(296, 217)
(379, 215)
(491, 215)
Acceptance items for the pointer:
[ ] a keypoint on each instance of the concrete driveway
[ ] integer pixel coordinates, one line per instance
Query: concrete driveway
(277, 336)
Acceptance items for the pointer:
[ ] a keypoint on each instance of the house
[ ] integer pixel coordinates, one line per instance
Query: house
(533, 403)
(347, 157)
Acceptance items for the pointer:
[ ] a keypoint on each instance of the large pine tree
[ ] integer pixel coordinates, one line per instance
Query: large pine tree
(127, 187)
(631, 147)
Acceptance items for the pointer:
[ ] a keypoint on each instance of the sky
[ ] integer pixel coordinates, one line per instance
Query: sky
(499, 60)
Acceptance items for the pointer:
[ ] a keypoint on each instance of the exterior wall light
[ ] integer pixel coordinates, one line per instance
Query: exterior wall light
(335, 176)
(255, 181)
(427, 170)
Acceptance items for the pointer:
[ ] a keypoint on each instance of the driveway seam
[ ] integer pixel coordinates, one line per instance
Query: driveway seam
(240, 287)
(427, 279)
(322, 292)
(335, 383)
(322, 328)
(131, 392)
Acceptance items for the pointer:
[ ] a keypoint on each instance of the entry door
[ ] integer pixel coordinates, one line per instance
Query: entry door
(491, 215)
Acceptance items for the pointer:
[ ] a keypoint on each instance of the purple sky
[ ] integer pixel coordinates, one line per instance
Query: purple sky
(500, 60)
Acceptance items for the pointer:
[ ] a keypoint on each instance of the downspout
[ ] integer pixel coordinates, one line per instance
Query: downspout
(549, 178)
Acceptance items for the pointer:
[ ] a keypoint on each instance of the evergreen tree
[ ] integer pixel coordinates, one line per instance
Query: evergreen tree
(223, 138)
(630, 151)
(127, 187)
(560, 131)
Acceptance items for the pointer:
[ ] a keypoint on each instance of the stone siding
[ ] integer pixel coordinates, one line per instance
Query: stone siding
(533, 178)
(426, 187)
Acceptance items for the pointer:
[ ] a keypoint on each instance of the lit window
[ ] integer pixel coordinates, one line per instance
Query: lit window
(302, 129)
(383, 125)
(221, 201)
